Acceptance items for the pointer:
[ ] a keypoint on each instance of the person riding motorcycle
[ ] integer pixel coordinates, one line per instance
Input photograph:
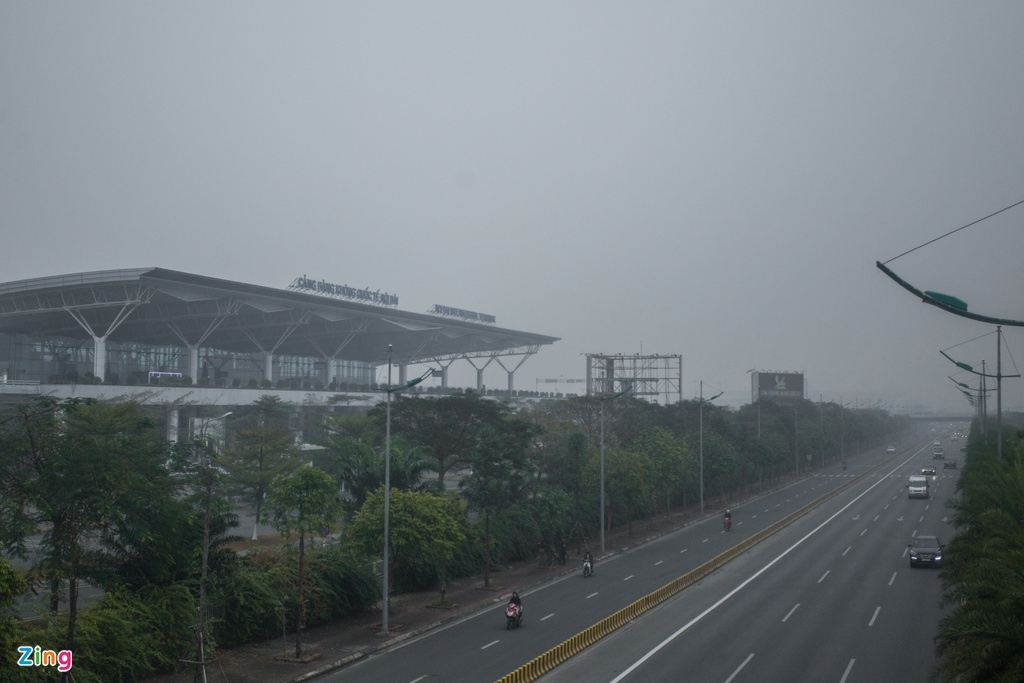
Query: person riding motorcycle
(588, 558)
(728, 519)
(517, 601)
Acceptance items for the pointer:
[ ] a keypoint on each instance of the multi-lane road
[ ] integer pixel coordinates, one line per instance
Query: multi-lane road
(829, 598)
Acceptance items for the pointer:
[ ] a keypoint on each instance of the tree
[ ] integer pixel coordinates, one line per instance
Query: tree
(628, 483)
(354, 455)
(263, 448)
(982, 638)
(671, 460)
(79, 471)
(424, 527)
(448, 427)
(302, 503)
(497, 481)
(11, 586)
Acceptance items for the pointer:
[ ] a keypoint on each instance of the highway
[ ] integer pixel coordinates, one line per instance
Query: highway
(830, 597)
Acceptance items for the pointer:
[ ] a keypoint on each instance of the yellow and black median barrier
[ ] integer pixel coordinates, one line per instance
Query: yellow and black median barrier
(539, 666)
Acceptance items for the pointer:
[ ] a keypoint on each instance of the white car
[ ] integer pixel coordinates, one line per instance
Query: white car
(890, 449)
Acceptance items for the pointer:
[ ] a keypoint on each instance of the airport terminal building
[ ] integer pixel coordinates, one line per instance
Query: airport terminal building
(173, 337)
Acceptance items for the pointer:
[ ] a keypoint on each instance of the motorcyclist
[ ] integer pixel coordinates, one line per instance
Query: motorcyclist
(728, 519)
(517, 601)
(844, 465)
(587, 557)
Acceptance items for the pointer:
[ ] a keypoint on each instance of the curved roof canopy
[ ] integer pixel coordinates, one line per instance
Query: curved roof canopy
(155, 306)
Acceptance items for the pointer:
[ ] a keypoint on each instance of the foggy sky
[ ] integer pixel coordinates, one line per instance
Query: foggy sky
(714, 180)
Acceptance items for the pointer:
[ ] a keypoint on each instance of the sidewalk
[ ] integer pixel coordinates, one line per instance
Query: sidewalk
(348, 640)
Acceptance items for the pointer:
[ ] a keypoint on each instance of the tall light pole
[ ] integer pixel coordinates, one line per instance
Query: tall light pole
(385, 588)
(207, 483)
(602, 399)
(701, 410)
(821, 428)
(999, 385)
(758, 402)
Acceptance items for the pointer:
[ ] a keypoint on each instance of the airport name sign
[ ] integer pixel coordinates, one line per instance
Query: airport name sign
(325, 288)
(473, 316)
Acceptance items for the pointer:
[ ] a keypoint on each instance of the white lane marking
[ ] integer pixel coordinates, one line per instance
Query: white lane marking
(874, 616)
(846, 674)
(892, 579)
(658, 562)
(591, 595)
(863, 532)
(848, 548)
(790, 612)
(914, 535)
(886, 507)
(628, 577)
(705, 540)
(740, 668)
(824, 575)
(683, 551)
(547, 617)
(876, 518)
(920, 520)
(417, 680)
(493, 642)
(743, 584)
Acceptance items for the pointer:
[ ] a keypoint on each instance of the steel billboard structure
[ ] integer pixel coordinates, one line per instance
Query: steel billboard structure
(656, 378)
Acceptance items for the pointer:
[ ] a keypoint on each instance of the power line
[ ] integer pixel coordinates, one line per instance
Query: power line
(957, 230)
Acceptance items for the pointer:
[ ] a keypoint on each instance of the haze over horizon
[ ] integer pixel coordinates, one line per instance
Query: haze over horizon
(714, 181)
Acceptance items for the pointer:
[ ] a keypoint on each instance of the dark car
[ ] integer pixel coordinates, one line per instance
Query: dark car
(927, 470)
(950, 465)
(927, 551)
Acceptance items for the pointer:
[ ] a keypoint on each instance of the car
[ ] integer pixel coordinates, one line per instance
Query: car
(927, 470)
(927, 551)
(890, 449)
(949, 465)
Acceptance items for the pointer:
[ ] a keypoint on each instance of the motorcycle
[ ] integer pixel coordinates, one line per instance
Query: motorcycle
(513, 616)
(728, 524)
(588, 568)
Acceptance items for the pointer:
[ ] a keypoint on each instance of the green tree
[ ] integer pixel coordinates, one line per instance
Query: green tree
(78, 471)
(355, 453)
(448, 427)
(982, 638)
(11, 587)
(671, 461)
(498, 481)
(424, 528)
(302, 503)
(263, 447)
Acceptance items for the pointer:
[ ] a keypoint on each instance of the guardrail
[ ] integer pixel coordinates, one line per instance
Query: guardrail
(539, 666)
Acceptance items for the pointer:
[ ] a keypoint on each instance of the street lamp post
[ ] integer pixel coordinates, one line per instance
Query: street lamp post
(602, 400)
(701, 411)
(821, 428)
(207, 484)
(385, 588)
(999, 386)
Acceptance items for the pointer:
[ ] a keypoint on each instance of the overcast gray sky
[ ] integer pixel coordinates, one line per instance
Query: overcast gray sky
(714, 179)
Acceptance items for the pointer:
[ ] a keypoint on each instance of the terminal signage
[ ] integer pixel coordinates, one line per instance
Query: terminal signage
(473, 316)
(325, 288)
